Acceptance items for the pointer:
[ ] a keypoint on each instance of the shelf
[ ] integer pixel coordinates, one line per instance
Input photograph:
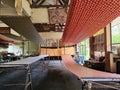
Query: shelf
(99, 42)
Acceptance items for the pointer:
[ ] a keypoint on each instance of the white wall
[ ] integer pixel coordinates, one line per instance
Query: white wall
(26, 7)
(16, 49)
(29, 48)
(115, 21)
(51, 35)
(40, 15)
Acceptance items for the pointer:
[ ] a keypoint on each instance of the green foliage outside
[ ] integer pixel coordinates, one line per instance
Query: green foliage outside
(84, 48)
(116, 34)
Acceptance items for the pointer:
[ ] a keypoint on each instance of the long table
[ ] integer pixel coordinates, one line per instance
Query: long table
(26, 62)
(87, 74)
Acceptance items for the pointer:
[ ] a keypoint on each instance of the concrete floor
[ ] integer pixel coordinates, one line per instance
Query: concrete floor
(51, 75)
(48, 76)
(58, 78)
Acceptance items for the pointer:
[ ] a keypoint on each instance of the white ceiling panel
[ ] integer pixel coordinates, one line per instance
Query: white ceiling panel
(40, 15)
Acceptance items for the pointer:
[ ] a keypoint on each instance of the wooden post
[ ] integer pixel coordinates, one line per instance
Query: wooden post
(64, 48)
(28, 48)
(58, 44)
(46, 46)
(18, 5)
(91, 45)
(23, 49)
(107, 46)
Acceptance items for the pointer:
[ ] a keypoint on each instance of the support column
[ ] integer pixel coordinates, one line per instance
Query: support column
(18, 6)
(107, 31)
(23, 49)
(91, 40)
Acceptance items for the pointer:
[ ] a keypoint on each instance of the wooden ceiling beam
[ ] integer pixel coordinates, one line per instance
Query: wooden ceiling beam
(38, 2)
(64, 2)
(47, 6)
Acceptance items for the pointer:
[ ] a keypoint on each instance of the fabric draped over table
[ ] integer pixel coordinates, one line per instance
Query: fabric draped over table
(86, 17)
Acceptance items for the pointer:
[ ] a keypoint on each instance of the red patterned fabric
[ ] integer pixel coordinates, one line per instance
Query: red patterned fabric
(84, 72)
(86, 17)
(57, 15)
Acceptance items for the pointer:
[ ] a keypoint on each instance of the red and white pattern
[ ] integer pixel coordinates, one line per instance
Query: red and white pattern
(57, 15)
(86, 17)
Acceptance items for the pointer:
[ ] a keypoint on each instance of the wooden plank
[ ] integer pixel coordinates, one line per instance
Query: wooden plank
(19, 7)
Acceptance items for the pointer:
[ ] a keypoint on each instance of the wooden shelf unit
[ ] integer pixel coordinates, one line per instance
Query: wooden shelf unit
(99, 42)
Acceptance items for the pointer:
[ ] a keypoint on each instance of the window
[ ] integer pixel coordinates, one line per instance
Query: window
(115, 34)
(115, 30)
(84, 49)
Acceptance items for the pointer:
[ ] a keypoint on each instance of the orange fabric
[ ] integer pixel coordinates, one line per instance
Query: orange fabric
(58, 52)
(42, 51)
(86, 17)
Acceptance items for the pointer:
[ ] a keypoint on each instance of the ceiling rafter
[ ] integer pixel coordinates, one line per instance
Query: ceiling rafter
(64, 2)
(39, 3)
